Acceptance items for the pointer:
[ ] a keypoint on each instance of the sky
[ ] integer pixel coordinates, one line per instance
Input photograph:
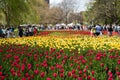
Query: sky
(81, 4)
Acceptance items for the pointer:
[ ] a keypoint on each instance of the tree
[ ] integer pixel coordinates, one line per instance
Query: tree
(105, 12)
(67, 6)
(21, 11)
(13, 10)
(35, 10)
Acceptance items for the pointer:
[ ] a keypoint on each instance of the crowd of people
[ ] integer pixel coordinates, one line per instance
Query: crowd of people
(30, 30)
(21, 31)
(97, 30)
(27, 30)
(6, 32)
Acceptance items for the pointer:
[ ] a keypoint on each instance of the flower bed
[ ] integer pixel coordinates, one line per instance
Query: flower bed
(71, 32)
(60, 58)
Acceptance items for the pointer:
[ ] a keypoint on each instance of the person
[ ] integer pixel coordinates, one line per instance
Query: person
(4, 32)
(118, 29)
(35, 31)
(93, 31)
(20, 31)
(98, 30)
(110, 30)
(26, 32)
(31, 31)
(8, 33)
(1, 32)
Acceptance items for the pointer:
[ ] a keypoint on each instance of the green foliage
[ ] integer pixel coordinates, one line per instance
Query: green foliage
(17, 12)
(104, 11)
(13, 10)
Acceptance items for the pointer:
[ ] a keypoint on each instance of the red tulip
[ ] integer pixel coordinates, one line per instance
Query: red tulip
(61, 51)
(2, 77)
(119, 62)
(84, 61)
(89, 77)
(86, 67)
(118, 73)
(81, 57)
(73, 71)
(29, 78)
(90, 63)
(75, 76)
(42, 74)
(62, 70)
(37, 65)
(35, 55)
(110, 78)
(48, 79)
(109, 72)
(69, 74)
(65, 57)
(13, 73)
(93, 78)
(106, 68)
(23, 78)
(78, 67)
(27, 75)
(59, 56)
(102, 64)
(85, 70)
(36, 72)
(44, 64)
(63, 61)
(80, 72)
(12, 70)
(75, 60)
(61, 75)
(29, 66)
(117, 68)
(1, 50)
(32, 76)
(16, 57)
(23, 67)
(52, 68)
(71, 65)
(55, 74)
(93, 72)
(46, 52)
(18, 74)
(25, 59)
(0, 73)
(79, 78)
(84, 75)
(98, 58)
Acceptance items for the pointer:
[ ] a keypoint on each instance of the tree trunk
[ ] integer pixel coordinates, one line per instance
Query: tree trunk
(7, 16)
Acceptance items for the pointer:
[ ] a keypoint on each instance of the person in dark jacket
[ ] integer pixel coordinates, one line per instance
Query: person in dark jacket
(110, 30)
(20, 31)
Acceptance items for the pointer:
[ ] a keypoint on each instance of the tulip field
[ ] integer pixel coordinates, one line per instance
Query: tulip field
(60, 57)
